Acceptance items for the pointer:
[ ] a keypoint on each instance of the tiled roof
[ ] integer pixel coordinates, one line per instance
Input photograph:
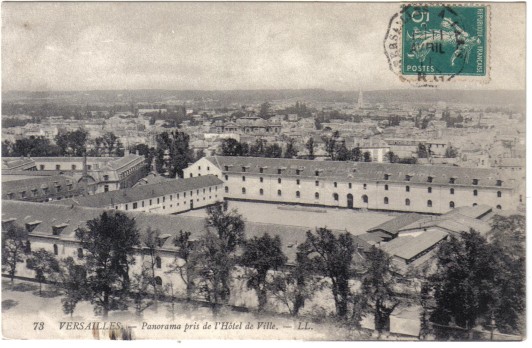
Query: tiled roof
(73, 217)
(35, 183)
(363, 171)
(152, 179)
(124, 161)
(374, 238)
(408, 247)
(451, 222)
(395, 225)
(141, 192)
(475, 212)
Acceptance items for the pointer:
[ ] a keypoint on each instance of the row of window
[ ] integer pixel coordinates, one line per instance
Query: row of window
(452, 180)
(135, 205)
(150, 201)
(365, 198)
(386, 187)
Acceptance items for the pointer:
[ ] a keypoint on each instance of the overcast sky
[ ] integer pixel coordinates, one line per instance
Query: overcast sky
(81, 46)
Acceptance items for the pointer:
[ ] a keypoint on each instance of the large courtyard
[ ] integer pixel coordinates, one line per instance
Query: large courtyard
(354, 221)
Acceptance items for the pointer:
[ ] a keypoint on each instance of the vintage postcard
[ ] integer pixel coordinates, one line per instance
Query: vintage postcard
(263, 171)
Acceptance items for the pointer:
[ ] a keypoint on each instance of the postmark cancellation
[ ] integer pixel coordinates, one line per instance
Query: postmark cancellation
(430, 44)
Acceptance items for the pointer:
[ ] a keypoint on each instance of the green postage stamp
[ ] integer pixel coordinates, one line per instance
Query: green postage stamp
(444, 40)
(436, 42)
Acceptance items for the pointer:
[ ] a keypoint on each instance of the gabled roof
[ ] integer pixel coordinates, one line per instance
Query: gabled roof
(124, 161)
(409, 247)
(366, 171)
(393, 226)
(141, 192)
(475, 212)
(36, 182)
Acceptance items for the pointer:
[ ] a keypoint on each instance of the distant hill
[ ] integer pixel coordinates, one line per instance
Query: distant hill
(414, 95)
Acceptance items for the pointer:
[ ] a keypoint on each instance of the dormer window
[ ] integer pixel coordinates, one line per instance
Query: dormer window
(226, 168)
(279, 171)
(244, 169)
(408, 177)
(57, 229)
(298, 171)
(475, 181)
(30, 226)
(386, 176)
(430, 179)
(261, 170)
(317, 173)
(452, 180)
(499, 183)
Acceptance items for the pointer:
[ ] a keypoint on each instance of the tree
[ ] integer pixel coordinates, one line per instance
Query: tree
(342, 153)
(264, 110)
(451, 152)
(261, 254)
(225, 231)
(475, 281)
(32, 146)
(199, 154)
(258, 149)
(72, 143)
(356, 154)
(377, 287)
(14, 244)
(186, 262)
(294, 287)
(422, 151)
(310, 148)
(151, 241)
(110, 241)
(146, 151)
(140, 287)
(509, 234)
(231, 147)
(273, 151)
(74, 283)
(392, 157)
(44, 264)
(331, 144)
(173, 152)
(331, 256)
(291, 150)
(111, 144)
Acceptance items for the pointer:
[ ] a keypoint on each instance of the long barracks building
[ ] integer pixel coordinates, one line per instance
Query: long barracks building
(359, 185)
(168, 197)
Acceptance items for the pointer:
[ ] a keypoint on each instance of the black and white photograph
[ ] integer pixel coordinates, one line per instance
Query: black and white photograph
(295, 171)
